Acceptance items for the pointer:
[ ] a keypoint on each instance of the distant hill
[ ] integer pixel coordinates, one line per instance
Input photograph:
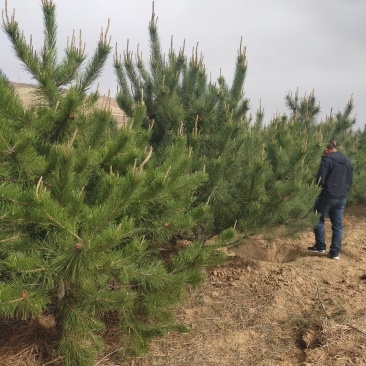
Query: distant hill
(26, 93)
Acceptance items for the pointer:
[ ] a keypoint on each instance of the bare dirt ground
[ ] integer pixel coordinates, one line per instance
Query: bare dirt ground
(271, 303)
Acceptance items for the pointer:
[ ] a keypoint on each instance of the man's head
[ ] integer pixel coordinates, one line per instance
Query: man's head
(330, 147)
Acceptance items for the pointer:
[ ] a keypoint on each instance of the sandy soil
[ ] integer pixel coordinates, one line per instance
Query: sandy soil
(274, 303)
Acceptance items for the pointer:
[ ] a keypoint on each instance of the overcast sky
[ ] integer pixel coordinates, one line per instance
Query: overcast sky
(309, 45)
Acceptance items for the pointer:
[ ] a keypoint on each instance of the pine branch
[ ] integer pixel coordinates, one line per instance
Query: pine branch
(141, 167)
(49, 54)
(94, 68)
(24, 51)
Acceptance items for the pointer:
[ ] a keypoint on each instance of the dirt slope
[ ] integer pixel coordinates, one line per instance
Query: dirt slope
(26, 93)
(273, 303)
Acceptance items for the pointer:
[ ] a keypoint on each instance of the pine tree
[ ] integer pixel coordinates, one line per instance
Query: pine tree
(243, 158)
(180, 98)
(356, 150)
(260, 176)
(89, 213)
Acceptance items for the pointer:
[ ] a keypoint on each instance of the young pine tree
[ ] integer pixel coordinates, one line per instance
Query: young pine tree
(180, 98)
(88, 213)
(246, 186)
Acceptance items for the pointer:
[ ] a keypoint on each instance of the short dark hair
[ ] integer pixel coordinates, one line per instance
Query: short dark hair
(331, 145)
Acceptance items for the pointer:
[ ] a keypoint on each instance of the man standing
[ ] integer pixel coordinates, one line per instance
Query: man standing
(335, 178)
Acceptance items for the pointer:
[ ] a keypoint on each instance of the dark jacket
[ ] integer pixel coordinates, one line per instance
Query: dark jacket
(335, 175)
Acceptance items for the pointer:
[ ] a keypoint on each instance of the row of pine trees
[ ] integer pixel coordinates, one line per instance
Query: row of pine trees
(105, 226)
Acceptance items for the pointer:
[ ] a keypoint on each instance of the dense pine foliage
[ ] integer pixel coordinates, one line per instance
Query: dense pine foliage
(260, 175)
(106, 226)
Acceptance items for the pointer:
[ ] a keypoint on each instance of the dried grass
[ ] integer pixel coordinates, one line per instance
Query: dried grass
(26, 344)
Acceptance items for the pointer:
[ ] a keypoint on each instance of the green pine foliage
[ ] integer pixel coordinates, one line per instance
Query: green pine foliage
(178, 95)
(91, 217)
(357, 152)
(353, 143)
(260, 175)
(105, 227)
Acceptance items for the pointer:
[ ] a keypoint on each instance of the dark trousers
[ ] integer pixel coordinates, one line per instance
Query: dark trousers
(334, 208)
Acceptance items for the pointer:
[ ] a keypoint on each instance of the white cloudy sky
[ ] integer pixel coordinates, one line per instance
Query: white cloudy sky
(307, 45)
